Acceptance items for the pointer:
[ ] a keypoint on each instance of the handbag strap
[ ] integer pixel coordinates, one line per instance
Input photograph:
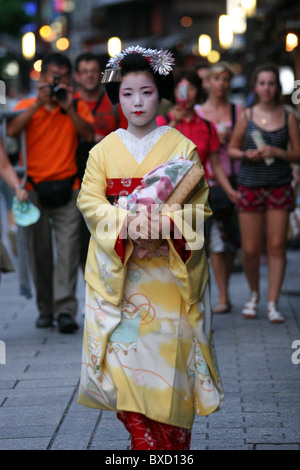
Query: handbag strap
(233, 120)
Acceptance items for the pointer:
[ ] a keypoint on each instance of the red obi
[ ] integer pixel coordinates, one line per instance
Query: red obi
(123, 187)
(120, 187)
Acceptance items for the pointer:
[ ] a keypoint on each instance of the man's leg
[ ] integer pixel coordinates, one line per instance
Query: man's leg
(66, 220)
(41, 261)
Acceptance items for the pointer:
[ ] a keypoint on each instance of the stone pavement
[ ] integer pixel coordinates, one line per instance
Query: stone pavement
(39, 381)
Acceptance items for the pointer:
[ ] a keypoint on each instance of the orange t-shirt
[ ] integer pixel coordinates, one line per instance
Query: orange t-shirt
(51, 142)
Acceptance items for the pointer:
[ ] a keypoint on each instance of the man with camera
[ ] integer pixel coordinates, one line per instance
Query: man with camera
(52, 124)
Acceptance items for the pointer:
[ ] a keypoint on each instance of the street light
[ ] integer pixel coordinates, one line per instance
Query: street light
(114, 46)
(225, 31)
(28, 45)
(204, 45)
(291, 42)
(250, 7)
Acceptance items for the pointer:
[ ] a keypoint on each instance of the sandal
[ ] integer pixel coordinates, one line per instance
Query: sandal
(222, 308)
(273, 314)
(250, 309)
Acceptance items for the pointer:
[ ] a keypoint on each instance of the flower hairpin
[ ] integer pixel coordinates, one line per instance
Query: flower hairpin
(161, 62)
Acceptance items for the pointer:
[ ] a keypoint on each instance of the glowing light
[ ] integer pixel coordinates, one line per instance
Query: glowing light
(47, 33)
(11, 69)
(214, 56)
(287, 79)
(62, 44)
(28, 45)
(204, 45)
(114, 46)
(291, 42)
(249, 6)
(225, 31)
(37, 65)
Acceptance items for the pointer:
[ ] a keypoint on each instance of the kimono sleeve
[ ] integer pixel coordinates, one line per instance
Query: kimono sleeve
(191, 271)
(106, 270)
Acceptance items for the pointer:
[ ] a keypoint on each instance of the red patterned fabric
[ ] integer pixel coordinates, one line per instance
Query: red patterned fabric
(147, 434)
(121, 186)
(264, 198)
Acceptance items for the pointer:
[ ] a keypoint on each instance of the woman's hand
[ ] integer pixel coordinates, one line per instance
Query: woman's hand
(253, 154)
(21, 193)
(234, 195)
(144, 226)
(178, 113)
(224, 135)
(267, 151)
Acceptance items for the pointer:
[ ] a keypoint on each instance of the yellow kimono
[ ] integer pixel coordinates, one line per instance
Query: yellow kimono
(147, 343)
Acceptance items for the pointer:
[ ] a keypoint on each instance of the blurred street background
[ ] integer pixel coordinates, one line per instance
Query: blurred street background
(40, 374)
(243, 32)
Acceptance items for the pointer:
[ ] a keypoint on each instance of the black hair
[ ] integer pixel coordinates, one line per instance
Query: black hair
(56, 58)
(86, 56)
(136, 62)
(192, 77)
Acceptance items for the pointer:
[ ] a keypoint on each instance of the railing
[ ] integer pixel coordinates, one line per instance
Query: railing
(21, 169)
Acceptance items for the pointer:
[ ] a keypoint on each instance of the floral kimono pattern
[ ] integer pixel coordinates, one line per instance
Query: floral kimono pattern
(147, 345)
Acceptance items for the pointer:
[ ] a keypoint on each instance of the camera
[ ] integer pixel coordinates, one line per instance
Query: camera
(182, 94)
(59, 93)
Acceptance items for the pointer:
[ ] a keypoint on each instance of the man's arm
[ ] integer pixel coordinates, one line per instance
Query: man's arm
(16, 125)
(83, 127)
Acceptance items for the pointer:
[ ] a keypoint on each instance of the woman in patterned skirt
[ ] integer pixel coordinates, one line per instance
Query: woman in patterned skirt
(267, 140)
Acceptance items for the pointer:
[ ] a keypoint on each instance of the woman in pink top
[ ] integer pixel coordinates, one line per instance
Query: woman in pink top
(224, 232)
(201, 132)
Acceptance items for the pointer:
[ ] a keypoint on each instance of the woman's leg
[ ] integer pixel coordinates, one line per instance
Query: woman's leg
(251, 227)
(276, 234)
(222, 264)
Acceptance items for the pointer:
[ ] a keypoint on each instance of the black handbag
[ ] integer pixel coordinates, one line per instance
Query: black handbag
(54, 193)
(219, 201)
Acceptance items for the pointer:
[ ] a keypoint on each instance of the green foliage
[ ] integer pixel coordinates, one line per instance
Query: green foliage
(13, 17)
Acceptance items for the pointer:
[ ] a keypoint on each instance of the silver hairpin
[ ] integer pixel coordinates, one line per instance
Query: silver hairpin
(161, 62)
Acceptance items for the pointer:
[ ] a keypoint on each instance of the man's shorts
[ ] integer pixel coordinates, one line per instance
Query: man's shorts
(265, 198)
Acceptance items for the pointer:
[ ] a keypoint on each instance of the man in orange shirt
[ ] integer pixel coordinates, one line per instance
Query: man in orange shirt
(52, 126)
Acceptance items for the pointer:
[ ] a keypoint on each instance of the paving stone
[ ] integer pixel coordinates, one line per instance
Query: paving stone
(39, 382)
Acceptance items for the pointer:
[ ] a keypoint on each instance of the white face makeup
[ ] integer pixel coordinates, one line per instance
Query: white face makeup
(139, 100)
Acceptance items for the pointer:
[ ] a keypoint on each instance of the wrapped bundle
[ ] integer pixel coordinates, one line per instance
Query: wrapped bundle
(174, 182)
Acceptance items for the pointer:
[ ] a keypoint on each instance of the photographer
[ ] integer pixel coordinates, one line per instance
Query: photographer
(52, 125)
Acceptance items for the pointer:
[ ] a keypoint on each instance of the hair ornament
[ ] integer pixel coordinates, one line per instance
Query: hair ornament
(161, 62)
